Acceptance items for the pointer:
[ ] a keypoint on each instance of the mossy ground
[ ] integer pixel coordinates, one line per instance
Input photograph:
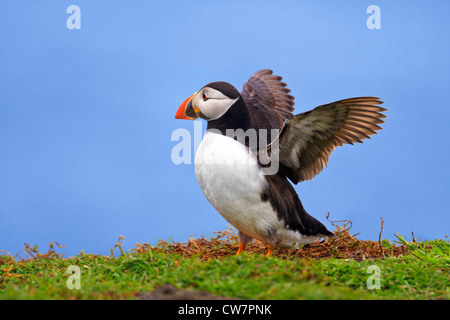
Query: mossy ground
(338, 268)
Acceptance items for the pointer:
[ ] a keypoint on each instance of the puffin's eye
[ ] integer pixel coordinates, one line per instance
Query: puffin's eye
(205, 97)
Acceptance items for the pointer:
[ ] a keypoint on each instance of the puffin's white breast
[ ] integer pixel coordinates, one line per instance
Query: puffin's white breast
(232, 181)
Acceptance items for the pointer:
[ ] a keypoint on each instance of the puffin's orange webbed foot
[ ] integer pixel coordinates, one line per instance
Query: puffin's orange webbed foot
(241, 248)
(269, 252)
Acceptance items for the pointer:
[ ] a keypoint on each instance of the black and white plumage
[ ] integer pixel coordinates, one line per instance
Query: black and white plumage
(267, 207)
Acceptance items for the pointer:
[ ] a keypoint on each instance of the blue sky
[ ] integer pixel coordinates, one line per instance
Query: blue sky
(86, 116)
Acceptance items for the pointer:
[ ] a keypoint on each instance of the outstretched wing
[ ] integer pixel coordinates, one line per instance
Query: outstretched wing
(308, 139)
(268, 100)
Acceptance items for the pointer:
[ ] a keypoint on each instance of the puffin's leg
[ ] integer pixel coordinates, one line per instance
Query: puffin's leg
(269, 252)
(243, 240)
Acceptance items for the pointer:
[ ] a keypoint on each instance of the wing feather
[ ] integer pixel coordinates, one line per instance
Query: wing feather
(268, 100)
(307, 140)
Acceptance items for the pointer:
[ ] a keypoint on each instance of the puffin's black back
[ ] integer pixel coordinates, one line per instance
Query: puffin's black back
(286, 203)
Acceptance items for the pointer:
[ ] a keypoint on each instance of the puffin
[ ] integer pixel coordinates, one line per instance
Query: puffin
(251, 184)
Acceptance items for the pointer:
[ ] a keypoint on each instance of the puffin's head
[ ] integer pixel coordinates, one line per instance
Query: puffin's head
(209, 103)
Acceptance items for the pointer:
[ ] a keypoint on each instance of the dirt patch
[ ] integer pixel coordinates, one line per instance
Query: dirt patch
(169, 292)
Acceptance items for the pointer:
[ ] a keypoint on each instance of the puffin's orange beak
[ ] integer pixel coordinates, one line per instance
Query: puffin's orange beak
(187, 110)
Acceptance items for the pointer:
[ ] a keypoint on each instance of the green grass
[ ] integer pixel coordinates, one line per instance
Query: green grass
(422, 273)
